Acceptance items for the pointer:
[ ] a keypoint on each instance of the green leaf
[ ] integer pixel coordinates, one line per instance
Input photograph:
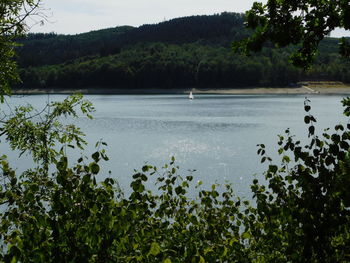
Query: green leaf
(94, 168)
(285, 159)
(96, 156)
(311, 130)
(201, 259)
(155, 249)
(307, 108)
(307, 119)
(273, 168)
(178, 190)
(246, 235)
(144, 177)
(189, 178)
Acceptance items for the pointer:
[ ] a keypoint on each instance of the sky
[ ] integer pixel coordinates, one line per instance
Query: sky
(78, 16)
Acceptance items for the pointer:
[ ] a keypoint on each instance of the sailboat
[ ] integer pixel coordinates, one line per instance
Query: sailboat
(191, 96)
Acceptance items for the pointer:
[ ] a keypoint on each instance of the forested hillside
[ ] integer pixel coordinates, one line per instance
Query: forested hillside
(185, 52)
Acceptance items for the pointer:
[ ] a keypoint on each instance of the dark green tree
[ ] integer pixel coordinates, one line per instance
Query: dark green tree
(58, 211)
(302, 213)
(304, 23)
(13, 16)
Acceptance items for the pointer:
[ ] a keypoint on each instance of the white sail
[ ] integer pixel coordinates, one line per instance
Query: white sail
(191, 96)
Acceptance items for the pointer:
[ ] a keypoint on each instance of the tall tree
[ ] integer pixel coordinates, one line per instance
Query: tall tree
(303, 22)
(13, 14)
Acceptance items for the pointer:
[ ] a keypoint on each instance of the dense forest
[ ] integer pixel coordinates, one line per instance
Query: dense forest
(184, 52)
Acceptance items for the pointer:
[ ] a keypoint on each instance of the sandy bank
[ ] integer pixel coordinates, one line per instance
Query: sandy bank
(307, 89)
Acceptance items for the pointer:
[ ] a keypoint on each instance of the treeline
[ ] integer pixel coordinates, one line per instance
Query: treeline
(183, 52)
(47, 49)
(166, 66)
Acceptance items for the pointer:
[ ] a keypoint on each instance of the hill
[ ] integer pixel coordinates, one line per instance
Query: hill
(183, 52)
(48, 49)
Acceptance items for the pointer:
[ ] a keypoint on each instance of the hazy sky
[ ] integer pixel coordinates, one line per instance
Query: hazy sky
(77, 16)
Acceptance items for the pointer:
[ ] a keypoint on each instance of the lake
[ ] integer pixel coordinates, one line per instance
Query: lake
(216, 135)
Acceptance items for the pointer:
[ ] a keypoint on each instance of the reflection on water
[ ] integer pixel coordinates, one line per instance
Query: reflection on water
(214, 134)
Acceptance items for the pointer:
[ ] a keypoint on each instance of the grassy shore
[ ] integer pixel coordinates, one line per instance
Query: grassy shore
(304, 88)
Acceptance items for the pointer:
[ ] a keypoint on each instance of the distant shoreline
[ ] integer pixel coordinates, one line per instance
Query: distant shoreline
(309, 89)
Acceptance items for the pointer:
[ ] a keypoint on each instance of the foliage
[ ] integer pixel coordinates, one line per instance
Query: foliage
(184, 52)
(69, 217)
(8, 70)
(66, 213)
(169, 66)
(51, 49)
(12, 17)
(38, 133)
(63, 214)
(303, 214)
(59, 212)
(304, 22)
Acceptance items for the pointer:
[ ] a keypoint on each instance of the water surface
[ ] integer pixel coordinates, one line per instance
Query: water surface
(216, 135)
